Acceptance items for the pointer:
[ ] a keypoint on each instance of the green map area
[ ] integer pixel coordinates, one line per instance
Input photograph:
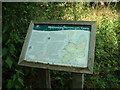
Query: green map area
(74, 51)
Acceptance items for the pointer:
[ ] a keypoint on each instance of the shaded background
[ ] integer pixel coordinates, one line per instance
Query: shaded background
(16, 18)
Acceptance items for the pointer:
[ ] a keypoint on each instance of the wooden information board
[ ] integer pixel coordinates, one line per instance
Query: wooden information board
(60, 45)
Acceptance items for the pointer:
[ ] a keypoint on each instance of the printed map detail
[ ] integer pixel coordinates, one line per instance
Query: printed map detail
(74, 51)
(65, 47)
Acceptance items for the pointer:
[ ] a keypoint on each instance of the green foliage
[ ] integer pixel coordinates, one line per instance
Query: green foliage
(15, 23)
(107, 57)
(16, 80)
(9, 61)
(16, 18)
(63, 79)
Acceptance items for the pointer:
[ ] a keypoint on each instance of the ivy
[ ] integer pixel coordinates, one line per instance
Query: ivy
(9, 62)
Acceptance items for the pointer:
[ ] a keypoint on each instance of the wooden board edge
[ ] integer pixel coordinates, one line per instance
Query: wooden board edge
(63, 22)
(55, 67)
(27, 38)
(92, 47)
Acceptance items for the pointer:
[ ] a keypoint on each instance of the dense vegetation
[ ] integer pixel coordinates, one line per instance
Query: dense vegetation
(16, 19)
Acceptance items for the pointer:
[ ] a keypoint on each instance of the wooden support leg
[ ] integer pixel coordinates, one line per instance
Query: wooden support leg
(44, 79)
(78, 80)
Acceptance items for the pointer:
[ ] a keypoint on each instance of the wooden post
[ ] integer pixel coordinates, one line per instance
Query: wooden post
(44, 79)
(78, 80)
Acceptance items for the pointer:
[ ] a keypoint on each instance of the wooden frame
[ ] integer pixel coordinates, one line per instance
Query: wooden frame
(88, 70)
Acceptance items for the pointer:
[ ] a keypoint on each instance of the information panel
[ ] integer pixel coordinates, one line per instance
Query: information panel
(64, 45)
(59, 44)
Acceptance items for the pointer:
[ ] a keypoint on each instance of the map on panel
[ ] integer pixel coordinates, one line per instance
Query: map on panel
(65, 45)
